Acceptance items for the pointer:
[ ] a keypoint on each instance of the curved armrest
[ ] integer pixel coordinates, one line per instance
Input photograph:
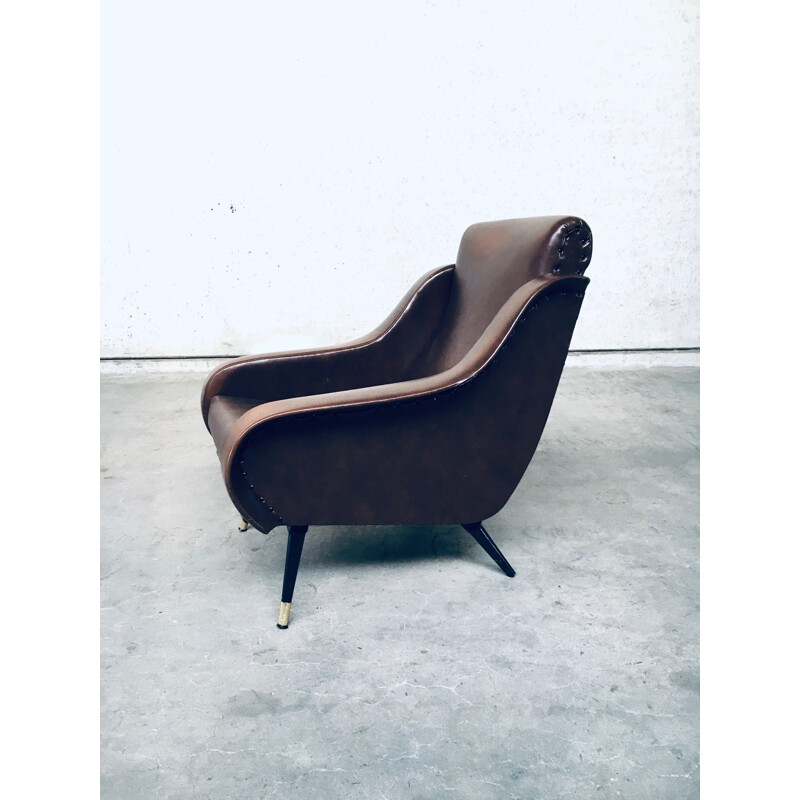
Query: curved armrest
(370, 445)
(379, 357)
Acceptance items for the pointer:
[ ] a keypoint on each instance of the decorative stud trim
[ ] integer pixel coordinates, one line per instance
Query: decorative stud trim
(574, 250)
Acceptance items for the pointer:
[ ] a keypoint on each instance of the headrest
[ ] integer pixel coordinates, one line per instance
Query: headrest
(522, 249)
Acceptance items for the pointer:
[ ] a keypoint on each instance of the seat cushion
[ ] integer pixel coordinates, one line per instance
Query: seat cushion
(223, 413)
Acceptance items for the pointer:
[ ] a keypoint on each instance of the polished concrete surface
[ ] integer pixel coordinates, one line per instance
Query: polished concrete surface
(413, 667)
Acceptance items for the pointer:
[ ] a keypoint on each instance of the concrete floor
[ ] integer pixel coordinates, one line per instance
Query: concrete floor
(413, 667)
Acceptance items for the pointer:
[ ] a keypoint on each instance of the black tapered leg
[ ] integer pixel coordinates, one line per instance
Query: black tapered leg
(479, 534)
(294, 549)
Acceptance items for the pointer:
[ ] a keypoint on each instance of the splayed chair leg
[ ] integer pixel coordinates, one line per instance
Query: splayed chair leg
(478, 533)
(294, 549)
(243, 524)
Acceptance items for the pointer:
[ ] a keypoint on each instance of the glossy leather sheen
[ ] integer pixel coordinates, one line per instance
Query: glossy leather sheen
(430, 419)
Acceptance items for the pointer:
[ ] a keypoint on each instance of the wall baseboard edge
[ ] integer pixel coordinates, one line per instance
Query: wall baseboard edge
(596, 359)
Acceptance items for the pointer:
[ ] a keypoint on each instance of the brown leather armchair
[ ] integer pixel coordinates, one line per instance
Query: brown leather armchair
(431, 419)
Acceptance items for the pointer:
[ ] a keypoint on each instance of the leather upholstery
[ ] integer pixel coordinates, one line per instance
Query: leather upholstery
(430, 419)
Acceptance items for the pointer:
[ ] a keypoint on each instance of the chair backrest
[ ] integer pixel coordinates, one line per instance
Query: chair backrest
(494, 260)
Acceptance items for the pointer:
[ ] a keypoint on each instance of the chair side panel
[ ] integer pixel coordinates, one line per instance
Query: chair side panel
(452, 457)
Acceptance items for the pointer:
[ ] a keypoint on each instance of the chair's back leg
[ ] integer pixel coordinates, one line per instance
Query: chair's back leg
(294, 549)
(479, 534)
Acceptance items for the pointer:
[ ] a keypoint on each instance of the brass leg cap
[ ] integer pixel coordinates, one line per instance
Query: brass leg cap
(243, 526)
(283, 616)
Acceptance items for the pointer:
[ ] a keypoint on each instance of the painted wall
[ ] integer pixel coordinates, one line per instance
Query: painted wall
(276, 175)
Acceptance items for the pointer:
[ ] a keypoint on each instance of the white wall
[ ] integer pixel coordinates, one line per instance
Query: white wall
(276, 175)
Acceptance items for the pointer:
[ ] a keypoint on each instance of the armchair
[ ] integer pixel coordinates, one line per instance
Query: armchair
(431, 419)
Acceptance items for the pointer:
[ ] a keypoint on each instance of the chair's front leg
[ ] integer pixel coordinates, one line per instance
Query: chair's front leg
(294, 549)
